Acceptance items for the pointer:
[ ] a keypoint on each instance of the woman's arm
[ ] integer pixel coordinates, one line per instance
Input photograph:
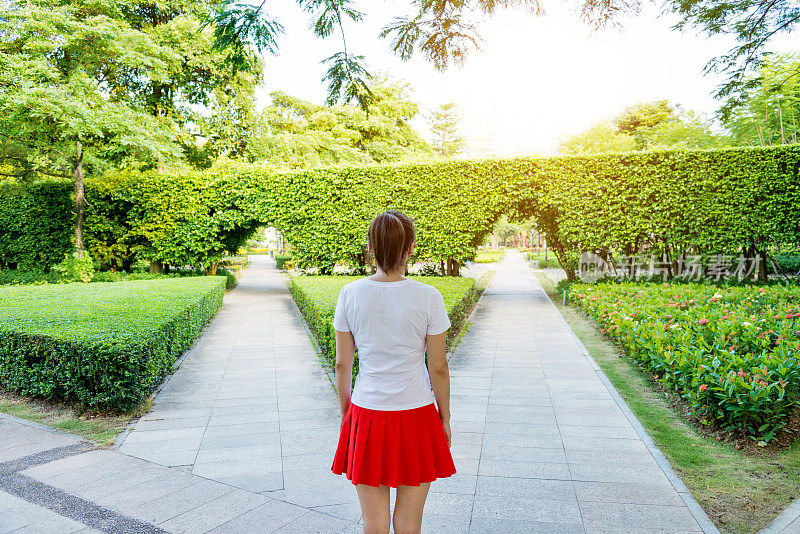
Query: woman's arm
(345, 353)
(440, 378)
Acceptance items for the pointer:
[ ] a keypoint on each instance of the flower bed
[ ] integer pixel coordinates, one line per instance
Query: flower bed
(316, 298)
(732, 353)
(104, 345)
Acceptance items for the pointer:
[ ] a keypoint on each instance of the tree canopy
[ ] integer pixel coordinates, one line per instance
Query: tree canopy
(769, 113)
(645, 126)
(447, 141)
(752, 23)
(294, 133)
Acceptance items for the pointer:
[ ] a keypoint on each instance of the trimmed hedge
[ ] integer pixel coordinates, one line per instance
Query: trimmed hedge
(316, 297)
(281, 259)
(21, 277)
(490, 256)
(673, 202)
(104, 345)
(733, 353)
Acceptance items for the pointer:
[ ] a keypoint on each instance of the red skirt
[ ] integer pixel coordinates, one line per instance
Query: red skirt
(391, 448)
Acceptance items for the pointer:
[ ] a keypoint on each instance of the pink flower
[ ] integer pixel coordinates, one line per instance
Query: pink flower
(725, 317)
(703, 387)
(703, 321)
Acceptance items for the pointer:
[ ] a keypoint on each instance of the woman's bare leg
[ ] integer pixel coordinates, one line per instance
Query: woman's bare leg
(374, 508)
(407, 517)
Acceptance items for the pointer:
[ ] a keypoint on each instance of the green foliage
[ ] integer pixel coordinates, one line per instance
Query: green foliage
(645, 126)
(316, 297)
(602, 137)
(732, 353)
(75, 268)
(550, 263)
(751, 24)
(768, 112)
(673, 202)
(103, 345)
(56, 109)
(281, 259)
(37, 224)
(444, 126)
(293, 133)
(490, 255)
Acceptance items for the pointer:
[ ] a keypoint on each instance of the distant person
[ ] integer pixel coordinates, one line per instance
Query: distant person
(392, 434)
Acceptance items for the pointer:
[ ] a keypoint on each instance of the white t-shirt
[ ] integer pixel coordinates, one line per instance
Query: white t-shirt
(389, 322)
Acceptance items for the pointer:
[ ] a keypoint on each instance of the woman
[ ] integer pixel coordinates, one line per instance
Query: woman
(392, 435)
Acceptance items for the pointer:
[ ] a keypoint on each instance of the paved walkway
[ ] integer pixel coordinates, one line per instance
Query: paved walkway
(241, 437)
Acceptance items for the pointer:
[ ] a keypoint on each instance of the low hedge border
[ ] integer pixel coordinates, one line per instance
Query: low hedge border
(316, 298)
(52, 348)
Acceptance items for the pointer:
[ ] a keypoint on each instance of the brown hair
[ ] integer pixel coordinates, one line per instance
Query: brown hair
(391, 234)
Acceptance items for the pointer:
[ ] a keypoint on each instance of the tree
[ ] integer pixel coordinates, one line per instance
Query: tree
(646, 126)
(294, 133)
(602, 137)
(752, 23)
(444, 127)
(769, 113)
(211, 103)
(57, 115)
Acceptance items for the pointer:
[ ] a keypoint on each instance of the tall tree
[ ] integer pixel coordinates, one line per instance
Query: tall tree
(646, 126)
(56, 112)
(752, 23)
(294, 133)
(444, 126)
(769, 113)
(211, 102)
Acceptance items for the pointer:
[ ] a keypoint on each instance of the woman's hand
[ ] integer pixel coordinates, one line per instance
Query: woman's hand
(447, 432)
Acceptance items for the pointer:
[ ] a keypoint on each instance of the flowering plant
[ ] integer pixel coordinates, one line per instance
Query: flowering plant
(732, 353)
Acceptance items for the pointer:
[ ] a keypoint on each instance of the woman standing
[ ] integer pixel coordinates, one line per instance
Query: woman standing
(392, 435)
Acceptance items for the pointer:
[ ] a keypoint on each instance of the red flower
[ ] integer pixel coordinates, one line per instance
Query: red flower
(789, 315)
(725, 317)
(740, 373)
(703, 387)
(703, 321)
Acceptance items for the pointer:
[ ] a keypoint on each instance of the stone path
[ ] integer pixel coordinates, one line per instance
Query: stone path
(241, 437)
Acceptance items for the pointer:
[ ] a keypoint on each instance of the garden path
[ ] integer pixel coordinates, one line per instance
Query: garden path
(241, 436)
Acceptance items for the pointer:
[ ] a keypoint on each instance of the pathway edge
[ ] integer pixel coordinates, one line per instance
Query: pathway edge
(691, 503)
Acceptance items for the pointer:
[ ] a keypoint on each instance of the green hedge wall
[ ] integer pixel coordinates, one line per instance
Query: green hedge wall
(35, 224)
(103, 345)
(716, 201)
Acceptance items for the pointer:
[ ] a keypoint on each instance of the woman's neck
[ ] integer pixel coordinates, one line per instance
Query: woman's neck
(390, 276)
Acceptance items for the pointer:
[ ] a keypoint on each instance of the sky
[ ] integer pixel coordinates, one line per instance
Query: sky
(535, 80)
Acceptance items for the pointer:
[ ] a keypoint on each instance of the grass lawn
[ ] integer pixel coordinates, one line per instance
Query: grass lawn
(99, 427)
(104, 345)
(741, 491)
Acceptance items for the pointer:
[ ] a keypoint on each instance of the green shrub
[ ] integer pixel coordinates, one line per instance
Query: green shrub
(733, 353)
(490, 255)
(103, 345)
(281, 259)
(75, 268)
(788, 264)
(316, 297)
(550, 263)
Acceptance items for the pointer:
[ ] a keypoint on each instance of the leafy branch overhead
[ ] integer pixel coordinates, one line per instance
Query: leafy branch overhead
(443, 31)
(753, 23)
